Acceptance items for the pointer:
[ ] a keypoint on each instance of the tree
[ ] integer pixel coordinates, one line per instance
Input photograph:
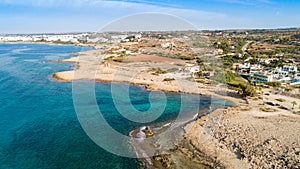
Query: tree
(294, 103)
(274, 84)
(247, 90)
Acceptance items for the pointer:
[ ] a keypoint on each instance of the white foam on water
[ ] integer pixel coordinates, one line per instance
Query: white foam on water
(32, 60)
(141, 136)
(166, 125)
(18, 51)
(56, 57)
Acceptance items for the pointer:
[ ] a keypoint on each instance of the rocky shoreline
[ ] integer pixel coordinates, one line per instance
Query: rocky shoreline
(235, 138)
(181, 154)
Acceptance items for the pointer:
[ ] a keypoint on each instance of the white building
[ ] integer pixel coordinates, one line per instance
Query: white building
(97, 40)
(292, 68)
(168, 44)
(138, 36)
(195, 69)
(263, 77)
(118, 38)
(248, 68)
(264, 61)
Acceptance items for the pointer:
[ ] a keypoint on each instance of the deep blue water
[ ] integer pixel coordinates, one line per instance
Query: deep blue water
(38, 124)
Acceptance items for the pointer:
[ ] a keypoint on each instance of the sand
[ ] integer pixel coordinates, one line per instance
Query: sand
(248, 137)
(153, 58)
(93, 67)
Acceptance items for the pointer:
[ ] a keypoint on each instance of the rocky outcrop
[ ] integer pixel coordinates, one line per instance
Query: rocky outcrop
(148, 131)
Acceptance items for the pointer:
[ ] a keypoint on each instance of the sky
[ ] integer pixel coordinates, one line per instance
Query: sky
(58, 16)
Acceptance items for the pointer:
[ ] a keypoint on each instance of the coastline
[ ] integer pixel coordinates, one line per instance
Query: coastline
(175, 156)
(221, 147)
(89, 67)
(204, 158)
(235, 138)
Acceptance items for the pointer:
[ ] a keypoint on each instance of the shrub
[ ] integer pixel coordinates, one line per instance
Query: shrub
(119, 59)
(172, 70)
(274, 84)
(282, 107)
(200, 81)
(158, 71)
(280, 100)
(109, 58)
(168, 79)
(266, 109)
(247, 90)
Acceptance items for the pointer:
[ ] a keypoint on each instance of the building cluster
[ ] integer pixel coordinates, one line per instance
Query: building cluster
(71, 38)
(287, 74)
(66, 38)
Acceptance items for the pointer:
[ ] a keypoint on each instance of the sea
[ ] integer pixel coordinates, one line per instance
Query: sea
(39, 127)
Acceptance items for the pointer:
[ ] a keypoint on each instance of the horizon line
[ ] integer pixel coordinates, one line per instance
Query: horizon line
(79, 32)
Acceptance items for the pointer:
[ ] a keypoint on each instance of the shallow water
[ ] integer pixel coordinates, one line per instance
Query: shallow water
(38, 124)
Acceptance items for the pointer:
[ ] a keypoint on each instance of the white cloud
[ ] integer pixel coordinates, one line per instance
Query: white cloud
(97, 12)
(202, 19)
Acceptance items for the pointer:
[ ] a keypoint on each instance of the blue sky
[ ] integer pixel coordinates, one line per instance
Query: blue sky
(40, 16)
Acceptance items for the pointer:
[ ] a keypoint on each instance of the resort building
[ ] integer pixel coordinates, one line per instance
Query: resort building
(262, 77)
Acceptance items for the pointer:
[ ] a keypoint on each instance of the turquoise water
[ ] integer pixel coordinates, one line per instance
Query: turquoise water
(38, 124)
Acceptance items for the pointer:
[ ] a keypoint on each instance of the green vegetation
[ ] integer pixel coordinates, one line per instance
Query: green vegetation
(283, 108)
(200, 81)
(219, 77)
(232, 50)
(229, 78)
(184, 57)
(119, 59)
(229, 60)
(237, 81)
(200, 61)
(146, 61)
(275, 63)
(274, 84)
(247, 90)
(281, 100)
(61, 42)
(158, 71)
(116, 59)
(168, 79)
(224, 45)
(172, 70)
(109, 58)
(266, 109)
(130, 37)
(234, 80)
(294, 103)
(286, 50)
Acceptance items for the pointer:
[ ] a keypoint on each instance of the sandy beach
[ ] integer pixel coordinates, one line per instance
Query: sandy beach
(140, 71)
(249, 138)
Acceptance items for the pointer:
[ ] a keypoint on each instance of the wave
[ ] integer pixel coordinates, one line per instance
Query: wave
(32, 60)
(19, 51)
